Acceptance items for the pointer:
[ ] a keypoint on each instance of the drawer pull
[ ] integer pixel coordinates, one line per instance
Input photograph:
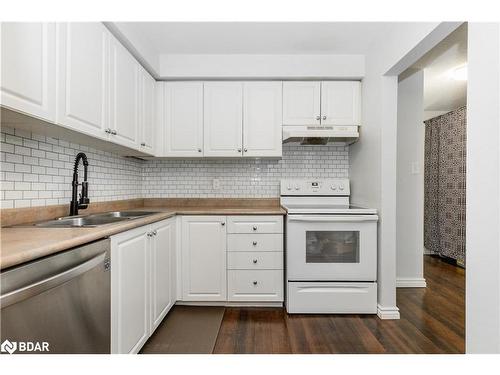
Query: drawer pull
(254, 228)
(223, 223)
(255, 283)
(254, 243)
(255, 261)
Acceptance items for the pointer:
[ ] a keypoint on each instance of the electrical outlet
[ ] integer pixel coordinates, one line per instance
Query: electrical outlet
(216, 184)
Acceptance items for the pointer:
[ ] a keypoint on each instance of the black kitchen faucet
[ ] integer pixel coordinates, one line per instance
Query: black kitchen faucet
(84, 201)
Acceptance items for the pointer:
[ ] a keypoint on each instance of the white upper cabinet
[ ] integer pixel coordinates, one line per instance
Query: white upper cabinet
(223, 119)
(341, 103)
(147, 131)
(262, 119)
(28, 68)
(83, 77)
(204, 258)
(124, 96)
(301, 103)
(322, 103)
(182, 119)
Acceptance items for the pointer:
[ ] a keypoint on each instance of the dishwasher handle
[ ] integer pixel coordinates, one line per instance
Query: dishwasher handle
(30, 290)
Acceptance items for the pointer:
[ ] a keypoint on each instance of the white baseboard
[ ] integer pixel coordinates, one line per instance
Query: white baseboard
(411, 282)
(391, 312)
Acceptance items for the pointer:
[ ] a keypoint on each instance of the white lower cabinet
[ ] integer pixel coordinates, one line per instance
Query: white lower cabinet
(204, 258)
(141, 283)
(163, 273)
(255, 285)
(129, 291)
(242, 265)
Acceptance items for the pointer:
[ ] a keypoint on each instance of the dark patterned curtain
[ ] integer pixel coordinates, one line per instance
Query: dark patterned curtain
(444, 204)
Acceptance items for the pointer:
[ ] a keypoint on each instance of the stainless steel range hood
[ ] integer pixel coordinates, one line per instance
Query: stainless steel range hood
(320, 135)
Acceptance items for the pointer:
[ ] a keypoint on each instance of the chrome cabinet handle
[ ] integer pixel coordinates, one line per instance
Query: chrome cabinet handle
(255, 261)
(246, 150)
(143, 144)
(254, 243)
(113, 132)
(155, 232)
(108, 130)
(222, 223)
(239, 150)
(254, 228)
(255, 283)
(199, 150)
(150, 234)
(324, 117)
(318, 117)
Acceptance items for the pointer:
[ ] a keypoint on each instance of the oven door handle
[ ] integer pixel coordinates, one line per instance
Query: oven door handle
(333, 219)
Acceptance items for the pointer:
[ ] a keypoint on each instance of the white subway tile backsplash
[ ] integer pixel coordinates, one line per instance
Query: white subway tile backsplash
(242, 177)
(37, 171)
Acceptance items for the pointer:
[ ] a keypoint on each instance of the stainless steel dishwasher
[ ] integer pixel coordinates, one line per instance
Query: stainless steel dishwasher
(63, 300)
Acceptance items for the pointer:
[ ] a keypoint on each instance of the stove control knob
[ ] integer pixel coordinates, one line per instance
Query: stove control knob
(333, 187)
(341, 187)
(297, 187)
(289, 187)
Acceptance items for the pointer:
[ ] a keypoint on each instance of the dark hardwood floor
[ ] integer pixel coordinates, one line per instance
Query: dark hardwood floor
(432, 321)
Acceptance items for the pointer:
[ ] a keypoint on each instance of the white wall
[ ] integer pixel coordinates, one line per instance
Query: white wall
(431, 114)
(373, 158)
(410, 182)
(262, 66)
(483, 189)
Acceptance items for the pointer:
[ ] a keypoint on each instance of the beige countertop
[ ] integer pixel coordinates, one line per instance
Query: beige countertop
(26, 243)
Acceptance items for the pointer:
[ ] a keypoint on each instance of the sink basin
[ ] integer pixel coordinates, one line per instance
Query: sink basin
(93, 220)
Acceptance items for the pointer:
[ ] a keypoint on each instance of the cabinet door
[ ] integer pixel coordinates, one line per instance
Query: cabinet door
(262, 118)
(124, 96)
(82, 77)
(162, 246)
(183, 119)
(129, 291)
(28, 68)
(204, 258)
(301, 103)
(223, 119)
(341, 103)
(148, 118)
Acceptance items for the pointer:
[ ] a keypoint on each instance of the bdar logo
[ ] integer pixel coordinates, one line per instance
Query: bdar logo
(8, 347)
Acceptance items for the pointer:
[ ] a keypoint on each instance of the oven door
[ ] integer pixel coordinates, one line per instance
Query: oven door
(331, 247)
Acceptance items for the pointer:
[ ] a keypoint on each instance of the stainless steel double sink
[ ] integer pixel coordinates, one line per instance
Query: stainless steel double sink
(93, 220)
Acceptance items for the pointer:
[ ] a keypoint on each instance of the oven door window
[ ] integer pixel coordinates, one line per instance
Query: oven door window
(332, 246)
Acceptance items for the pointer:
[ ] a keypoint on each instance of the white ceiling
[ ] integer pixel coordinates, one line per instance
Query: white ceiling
(441, 91)
(255, 37)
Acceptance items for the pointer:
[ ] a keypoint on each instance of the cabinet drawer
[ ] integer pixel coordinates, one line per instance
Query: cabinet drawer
(331, 298)
(254, 242)
(255, 224)
(250, 285)
(254, 260)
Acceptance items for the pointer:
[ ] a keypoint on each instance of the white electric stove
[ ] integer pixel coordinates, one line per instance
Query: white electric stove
(331, 249)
